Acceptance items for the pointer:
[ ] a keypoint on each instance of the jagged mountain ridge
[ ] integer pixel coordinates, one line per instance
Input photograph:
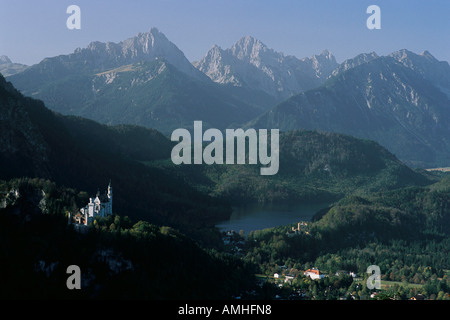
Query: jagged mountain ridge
(145, 80)
(99, 56)
(250, 63)
(379, 98)
(433, 70)
(353, 62)
(241, 83)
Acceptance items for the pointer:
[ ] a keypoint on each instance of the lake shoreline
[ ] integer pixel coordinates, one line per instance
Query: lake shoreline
(261, 216)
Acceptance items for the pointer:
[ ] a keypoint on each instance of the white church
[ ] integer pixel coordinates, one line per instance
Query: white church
(100, 206)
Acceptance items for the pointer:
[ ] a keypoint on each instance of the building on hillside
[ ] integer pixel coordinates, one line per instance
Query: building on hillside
(313, 274)
(345, 272)
(100, 206)
(301, 228)
(289, 278)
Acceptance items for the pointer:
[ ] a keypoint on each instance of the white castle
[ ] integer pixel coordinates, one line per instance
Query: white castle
(101, 206)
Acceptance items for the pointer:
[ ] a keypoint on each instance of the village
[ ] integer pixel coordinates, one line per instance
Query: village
(283, 277)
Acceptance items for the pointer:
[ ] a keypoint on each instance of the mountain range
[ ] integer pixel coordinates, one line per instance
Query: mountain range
(400, 100)
(145, 80)
(394, 100)
(83, 154)
(250, 63)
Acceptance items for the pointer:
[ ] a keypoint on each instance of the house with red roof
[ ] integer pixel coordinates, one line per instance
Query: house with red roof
(313, 274)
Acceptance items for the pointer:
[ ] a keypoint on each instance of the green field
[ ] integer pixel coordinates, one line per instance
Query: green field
(388, 284)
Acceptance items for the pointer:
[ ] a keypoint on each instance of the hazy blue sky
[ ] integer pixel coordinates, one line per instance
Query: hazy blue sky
(33, 30)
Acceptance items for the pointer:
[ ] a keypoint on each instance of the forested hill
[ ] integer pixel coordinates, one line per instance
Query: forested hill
(314, 166)
(405, 232)
(119, 258)
(82, 154)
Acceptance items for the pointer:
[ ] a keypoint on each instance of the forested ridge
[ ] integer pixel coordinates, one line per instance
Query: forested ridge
(119, 258)
(406, 232)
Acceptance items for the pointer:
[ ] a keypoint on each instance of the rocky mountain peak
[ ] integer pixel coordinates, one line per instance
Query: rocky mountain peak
(146, 42)
(325, 54)
(252, 50)
(4, 60)
(354, 62)
(246, 46)
(437, 72)
(407, 58)
(324, 63)
(428, 55)
(412, 59)
(148, 46)
(249, 62)
(7, 67)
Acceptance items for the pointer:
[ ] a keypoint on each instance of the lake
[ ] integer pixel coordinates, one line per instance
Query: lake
(258, 217)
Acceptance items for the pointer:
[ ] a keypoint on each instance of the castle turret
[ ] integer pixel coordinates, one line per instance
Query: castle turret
(110, 192)
(90, 213)
(110, 198)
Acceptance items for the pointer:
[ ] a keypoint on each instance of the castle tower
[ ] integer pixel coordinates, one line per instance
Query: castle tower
(90, 211)
(109, 194)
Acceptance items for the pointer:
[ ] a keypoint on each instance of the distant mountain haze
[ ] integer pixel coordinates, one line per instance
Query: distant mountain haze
(145, 80)
(400, 100)
(393, 100)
